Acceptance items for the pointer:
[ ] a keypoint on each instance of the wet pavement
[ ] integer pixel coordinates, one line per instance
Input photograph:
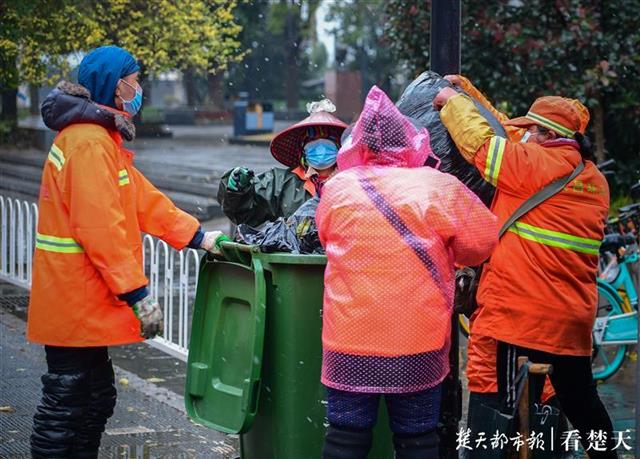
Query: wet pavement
(149, 420)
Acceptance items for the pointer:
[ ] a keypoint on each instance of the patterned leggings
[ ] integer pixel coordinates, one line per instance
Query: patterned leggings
(409, 414)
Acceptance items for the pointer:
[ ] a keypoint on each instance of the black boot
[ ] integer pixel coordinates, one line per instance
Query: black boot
(101, 404)
(59, 415)
(422, 446)
(340, 443)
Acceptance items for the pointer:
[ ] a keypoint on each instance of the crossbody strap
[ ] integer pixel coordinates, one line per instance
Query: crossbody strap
(541, 196)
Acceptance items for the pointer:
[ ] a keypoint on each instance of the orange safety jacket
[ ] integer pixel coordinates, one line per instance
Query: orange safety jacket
(93, 206)
(538, 290)
(374, 316)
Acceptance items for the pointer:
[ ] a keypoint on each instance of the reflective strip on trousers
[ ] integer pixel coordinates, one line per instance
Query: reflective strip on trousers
(56, 157)
(546, 122)
(556, 239)
(494, 159)
(123, 177)
(57, 244)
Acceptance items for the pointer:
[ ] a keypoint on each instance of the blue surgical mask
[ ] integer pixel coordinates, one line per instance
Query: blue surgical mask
(132, 106)
(525, 137)
(321, 154)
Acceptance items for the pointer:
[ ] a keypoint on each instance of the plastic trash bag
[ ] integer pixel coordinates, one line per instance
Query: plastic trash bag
(417, 102)
(297, 234)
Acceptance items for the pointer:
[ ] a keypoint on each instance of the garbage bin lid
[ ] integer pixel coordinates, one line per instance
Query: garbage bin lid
(226, 347)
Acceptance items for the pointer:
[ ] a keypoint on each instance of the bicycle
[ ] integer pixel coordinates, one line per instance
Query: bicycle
(616, 323)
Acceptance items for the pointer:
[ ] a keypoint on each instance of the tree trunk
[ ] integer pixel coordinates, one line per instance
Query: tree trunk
(292, 49)
(188, 78)
(10, 107)
(34, 97)
(598, 128)
(215, 90)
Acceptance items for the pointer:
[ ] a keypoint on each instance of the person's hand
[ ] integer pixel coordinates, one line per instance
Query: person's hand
(211, 241)
(150, 315)
(443, 97)
(240, 179)
(453, 79)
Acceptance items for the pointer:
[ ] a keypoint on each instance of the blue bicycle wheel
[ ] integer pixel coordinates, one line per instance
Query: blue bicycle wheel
(607, 359)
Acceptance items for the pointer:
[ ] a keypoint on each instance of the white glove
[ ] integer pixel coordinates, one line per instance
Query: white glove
(148, 311)
(211, 241)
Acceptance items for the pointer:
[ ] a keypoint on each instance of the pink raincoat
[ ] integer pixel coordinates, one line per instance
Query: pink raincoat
(392, 232)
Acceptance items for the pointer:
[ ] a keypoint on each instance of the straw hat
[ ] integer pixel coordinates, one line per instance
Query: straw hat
(287, 146)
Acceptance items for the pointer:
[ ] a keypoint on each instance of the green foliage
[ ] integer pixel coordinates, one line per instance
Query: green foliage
(406, 28)
(362, 45)
(264, 70)
(516, 51)
(168, 34)
(37, 36)
(617, 202)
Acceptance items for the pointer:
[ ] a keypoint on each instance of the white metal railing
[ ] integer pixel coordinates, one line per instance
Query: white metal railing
(172, 274)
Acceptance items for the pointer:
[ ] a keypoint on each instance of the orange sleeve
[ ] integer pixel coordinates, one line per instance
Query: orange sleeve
(159, 217)
(513, 132)
(90, 191)
(519, 168)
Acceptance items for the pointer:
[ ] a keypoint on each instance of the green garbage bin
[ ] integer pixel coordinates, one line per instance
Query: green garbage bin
(255, 354)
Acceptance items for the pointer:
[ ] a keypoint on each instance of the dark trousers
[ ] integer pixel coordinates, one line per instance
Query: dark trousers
(574, 386)
(413, 418)
(78, 397)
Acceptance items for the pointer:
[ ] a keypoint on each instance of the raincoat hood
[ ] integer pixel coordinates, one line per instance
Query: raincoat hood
(102, 68)
(70, 103)
(382, 136)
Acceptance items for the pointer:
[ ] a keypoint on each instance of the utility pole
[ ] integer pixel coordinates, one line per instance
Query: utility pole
(445, 59)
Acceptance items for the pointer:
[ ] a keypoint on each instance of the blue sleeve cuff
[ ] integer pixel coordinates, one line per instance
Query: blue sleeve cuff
(196, 241)
(134, 296)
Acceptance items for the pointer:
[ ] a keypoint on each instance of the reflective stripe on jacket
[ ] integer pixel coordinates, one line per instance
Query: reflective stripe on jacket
(93, 206)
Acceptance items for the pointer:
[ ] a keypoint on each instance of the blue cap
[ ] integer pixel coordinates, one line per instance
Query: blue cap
(102, 68)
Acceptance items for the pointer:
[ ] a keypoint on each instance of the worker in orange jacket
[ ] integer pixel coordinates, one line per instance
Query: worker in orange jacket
(482, 350)
(89, 290)
(544, 268)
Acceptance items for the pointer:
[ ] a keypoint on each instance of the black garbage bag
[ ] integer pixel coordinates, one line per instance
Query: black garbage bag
(297, 234)
(416, 102)
(303, 221)
(274, 236)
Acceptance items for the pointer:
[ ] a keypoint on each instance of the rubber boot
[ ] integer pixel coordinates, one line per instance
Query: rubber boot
(101, 405)
(59, 415)
(422, 446)
(341, 443)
